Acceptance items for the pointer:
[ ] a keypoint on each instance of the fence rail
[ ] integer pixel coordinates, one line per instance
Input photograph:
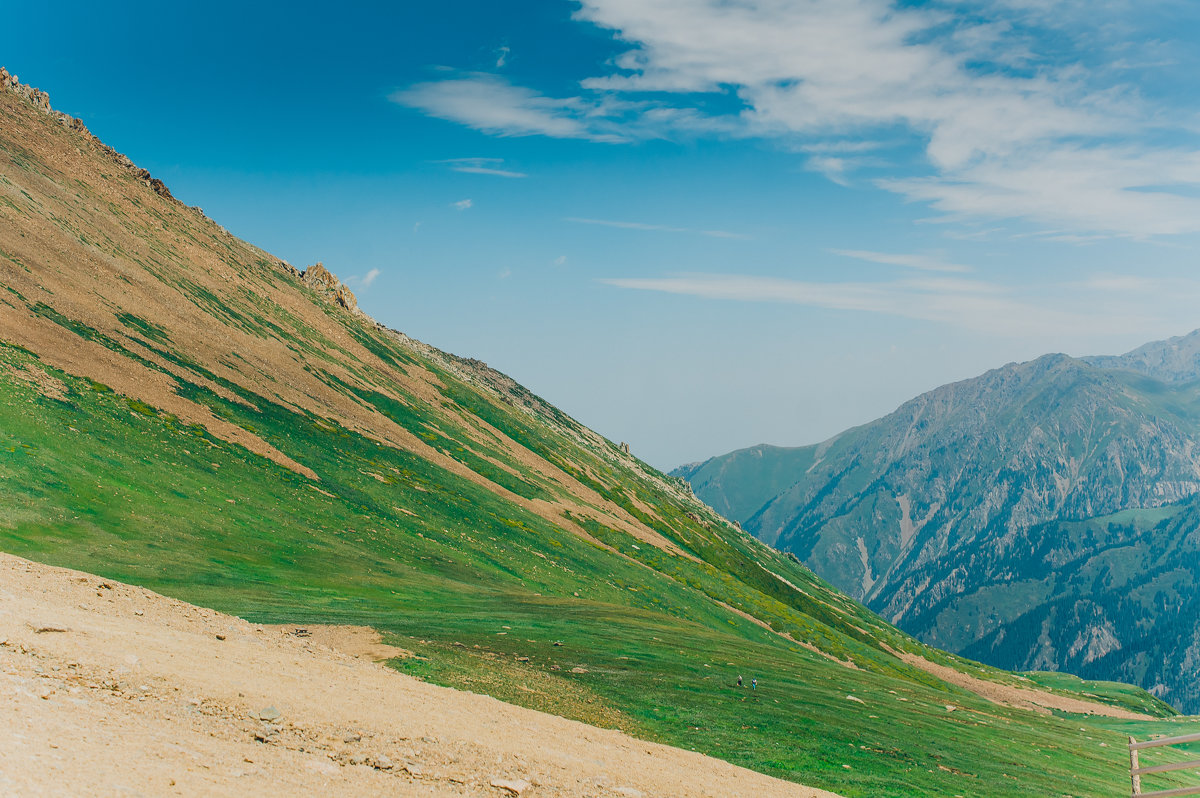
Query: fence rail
(1136, 771)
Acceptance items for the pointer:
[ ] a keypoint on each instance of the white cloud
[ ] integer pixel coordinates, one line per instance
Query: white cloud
(831, 166)
(920, 262)
(502, 56)
(481, 166)
(461, 205)
(655, 227)
(561, 260)
(1019, 112)
(365, 281)
(968, 304)
(495, 106)
(1119, 190)
(505, 273)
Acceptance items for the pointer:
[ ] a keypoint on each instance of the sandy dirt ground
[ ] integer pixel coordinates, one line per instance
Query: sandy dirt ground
(108, 689)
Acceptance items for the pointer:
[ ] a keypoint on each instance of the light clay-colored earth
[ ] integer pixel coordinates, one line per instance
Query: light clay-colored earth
(108, 689)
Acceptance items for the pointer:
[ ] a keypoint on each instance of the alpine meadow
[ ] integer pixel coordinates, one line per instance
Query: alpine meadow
(255, 541)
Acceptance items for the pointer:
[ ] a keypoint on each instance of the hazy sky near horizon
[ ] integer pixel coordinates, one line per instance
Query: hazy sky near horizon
(695, 225)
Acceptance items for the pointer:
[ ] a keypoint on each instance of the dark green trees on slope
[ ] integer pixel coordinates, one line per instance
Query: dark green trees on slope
(962, 515)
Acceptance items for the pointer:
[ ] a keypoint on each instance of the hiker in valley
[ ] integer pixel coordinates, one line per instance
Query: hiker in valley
(754, 684)
(739, 680)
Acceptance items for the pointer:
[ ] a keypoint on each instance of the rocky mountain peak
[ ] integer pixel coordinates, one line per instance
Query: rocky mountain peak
(1175, 360)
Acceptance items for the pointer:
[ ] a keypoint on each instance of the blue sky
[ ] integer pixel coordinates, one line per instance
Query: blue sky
(693, 224)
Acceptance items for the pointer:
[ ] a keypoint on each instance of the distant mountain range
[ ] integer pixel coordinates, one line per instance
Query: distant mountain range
(1044, 515)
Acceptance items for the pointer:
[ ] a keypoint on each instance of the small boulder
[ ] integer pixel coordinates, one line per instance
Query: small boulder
(511, 786)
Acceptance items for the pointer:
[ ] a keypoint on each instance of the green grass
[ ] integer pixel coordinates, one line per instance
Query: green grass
(443, 566)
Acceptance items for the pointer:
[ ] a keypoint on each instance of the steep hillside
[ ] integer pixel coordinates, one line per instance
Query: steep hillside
(190, 687)
(934, 516)
(182, 411)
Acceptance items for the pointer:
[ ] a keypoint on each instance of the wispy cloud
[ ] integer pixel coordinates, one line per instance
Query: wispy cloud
(493, 105)
(502, 56)
(1011, 127)
(662, 228)
(832, 166)
(461, 205)
(481, 166)
(919, 262)
(561, 260)
(365, 280)
(968, 304)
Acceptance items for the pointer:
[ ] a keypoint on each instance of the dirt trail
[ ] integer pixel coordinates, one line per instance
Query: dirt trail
(1023, 697)
(107, 689)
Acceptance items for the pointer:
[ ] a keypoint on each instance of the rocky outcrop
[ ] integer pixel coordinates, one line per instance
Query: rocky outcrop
(41, 100)
(325, 283)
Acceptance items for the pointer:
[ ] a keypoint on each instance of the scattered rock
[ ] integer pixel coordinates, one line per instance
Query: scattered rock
(381, 762)
(413, 769)
(522, 659)
(352, 737)
(43, 629)
(578, 669)
(855, 698)
(512, 786)
(220, 637)
(270, 713)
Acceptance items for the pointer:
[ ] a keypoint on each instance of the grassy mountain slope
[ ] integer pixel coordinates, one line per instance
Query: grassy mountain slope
(934, 517)
(181, 410)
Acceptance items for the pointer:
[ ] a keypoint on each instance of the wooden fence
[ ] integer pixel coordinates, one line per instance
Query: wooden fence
(1136, 771)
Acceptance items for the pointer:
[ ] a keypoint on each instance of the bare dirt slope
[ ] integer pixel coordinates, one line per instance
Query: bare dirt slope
(1027, 698)
(108, 689)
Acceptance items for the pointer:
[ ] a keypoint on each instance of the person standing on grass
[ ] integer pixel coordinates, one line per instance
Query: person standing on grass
(739, 680)
(754, 684)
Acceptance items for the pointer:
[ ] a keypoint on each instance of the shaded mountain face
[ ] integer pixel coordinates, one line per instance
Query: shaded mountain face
(942, 516)
(186, 412)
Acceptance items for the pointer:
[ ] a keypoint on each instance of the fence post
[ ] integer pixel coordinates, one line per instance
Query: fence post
(1133, 766)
